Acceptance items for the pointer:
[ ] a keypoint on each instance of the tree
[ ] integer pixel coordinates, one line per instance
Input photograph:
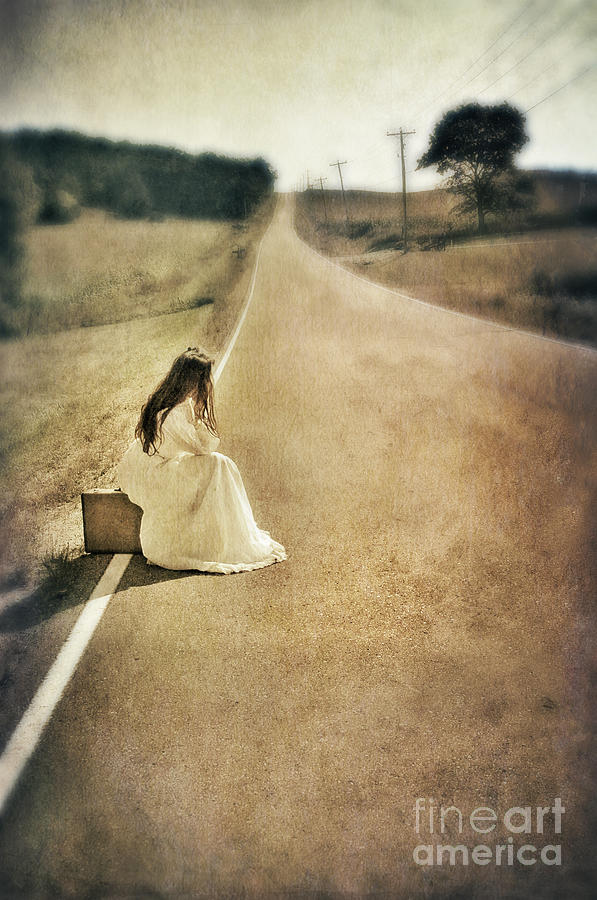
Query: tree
(59, 207)
(477, 144)
(126, 192)
(19, 207)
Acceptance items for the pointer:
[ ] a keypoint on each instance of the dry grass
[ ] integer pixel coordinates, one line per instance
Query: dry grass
(501, 281)
(374, 217)
(70, 400)
(100, 269)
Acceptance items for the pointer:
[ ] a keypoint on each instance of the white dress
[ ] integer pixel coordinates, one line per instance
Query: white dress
(196, 513)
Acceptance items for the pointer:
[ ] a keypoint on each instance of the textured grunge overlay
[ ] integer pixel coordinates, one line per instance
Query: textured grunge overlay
(403, 707)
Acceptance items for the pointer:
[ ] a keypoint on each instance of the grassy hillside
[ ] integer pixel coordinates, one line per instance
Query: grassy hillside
(101, 269)
(546, 284)
(536, 269)
(375, 219)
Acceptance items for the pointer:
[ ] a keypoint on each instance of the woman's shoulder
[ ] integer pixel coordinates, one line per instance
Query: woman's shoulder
(184, 415)
(183, 411)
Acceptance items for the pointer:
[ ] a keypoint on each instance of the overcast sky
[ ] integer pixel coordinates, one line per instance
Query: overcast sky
(301, 83)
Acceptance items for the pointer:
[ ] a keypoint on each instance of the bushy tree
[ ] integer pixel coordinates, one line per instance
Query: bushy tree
(59, 207)
(20, 200)
(127, 194)
(477, 145)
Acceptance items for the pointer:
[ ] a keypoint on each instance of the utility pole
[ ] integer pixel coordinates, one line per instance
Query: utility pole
(325, 211)
(340, 164)
(402, 134)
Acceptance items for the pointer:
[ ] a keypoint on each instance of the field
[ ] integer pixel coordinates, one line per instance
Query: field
(71, 397)
(375, 218)
(530, 275)
(100, 269)
(540, 283)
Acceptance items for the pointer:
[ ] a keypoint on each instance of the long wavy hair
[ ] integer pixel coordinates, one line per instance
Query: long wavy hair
(190, 376)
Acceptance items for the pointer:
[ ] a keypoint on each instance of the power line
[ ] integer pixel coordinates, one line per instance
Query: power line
(474, 63)
(491, 46)
(538, 103)
(366, 154)
(520, 61)
(561, 88)
(516, 38)
(533, 80)
(560, 26)
(547, 68)
(501, 53)
(537, 46)
(556, 29)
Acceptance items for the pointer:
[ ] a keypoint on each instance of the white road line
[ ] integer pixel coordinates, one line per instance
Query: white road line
(570, 345)
(472, 245)
(26, 736)
(239, 324)
(28, 732)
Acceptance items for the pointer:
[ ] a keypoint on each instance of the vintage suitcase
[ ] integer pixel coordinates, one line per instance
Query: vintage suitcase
(111, 522)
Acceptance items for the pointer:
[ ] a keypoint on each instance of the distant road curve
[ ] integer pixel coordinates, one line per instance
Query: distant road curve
(334, 261)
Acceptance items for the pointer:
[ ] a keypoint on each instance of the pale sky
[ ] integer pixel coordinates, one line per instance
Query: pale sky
(301, 83)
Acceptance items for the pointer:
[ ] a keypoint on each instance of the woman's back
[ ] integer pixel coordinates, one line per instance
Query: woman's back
(184, 432)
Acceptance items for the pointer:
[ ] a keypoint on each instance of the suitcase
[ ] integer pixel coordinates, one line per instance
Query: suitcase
(111, 522)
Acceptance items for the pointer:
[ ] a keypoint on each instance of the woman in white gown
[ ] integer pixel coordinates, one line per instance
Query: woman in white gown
(196, 513)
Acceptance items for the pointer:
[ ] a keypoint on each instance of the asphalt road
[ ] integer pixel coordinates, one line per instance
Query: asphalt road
(267, 734)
